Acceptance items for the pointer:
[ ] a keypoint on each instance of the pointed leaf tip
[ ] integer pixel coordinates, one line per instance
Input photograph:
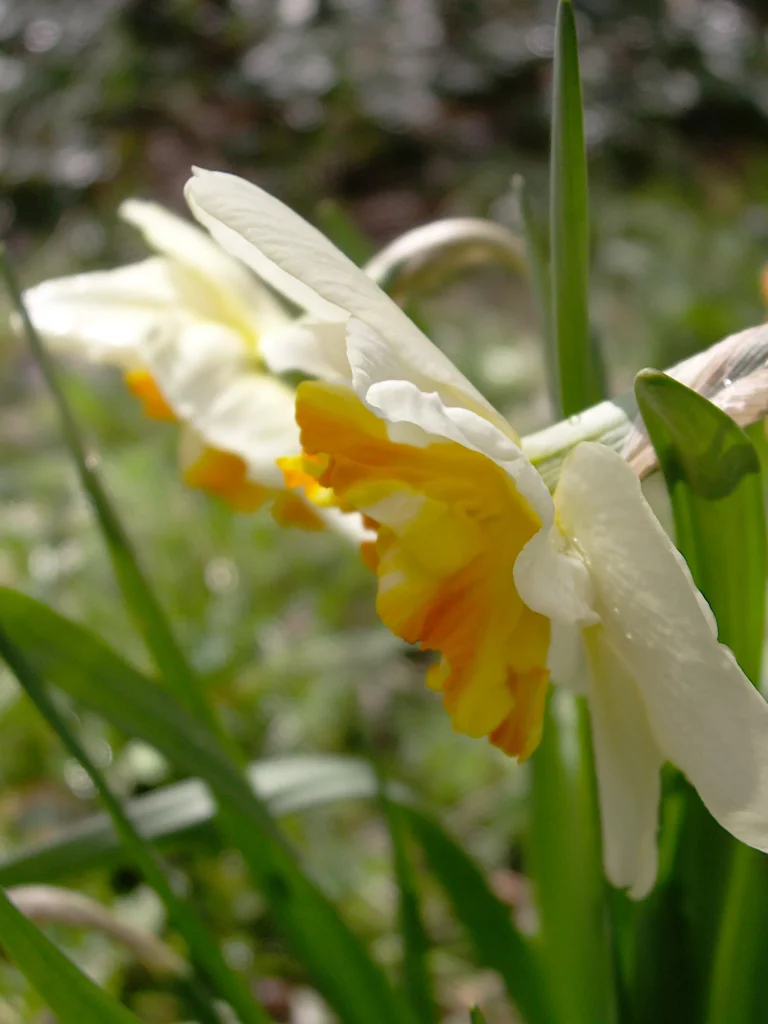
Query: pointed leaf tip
(696, 442)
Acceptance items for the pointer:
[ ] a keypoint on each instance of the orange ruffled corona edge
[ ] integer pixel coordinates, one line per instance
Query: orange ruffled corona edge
(450, 524)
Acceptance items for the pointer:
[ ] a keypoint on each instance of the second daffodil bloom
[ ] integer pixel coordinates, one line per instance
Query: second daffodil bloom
(478, 562)
(187, 326)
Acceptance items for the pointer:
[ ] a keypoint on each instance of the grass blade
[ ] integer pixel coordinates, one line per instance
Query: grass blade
(476, 1016)
(71, 658)
(201, 946)
(487, 921)
(68, 992)
(184, 812)
(537, 253)
(417, 981)
(569, 223)
(715, 484)
(178, 815)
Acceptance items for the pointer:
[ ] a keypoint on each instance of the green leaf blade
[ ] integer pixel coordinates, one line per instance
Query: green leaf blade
(202, 948)
(715, 483)
(69, 657)
(714, 480)
(417, 980)
(68, 992)
(487, 921)
(569, 222)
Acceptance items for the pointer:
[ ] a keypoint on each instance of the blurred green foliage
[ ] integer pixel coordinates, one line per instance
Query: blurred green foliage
(403, 111)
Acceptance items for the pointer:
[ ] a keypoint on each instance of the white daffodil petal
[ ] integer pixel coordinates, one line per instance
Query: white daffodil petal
(374, 361)
(567, 660)
(628, 765)
(187, 246)
(104, 315)
(312, 272)
(217, 201)
(554, 582)
(318, 348)
(348, 524)
(204, 374)
(704, 714)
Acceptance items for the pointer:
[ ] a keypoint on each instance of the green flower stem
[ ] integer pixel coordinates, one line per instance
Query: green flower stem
(742, 942)
(567, 868)
(140, 600)
(201, 946)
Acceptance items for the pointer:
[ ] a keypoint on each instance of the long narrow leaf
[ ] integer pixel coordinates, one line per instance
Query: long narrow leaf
(200, 943)
(569, 222)
(182, 813)
(487, 921)
(537, 253)
(715, 484)
(417, 981)
(74, 660)
(70, 994)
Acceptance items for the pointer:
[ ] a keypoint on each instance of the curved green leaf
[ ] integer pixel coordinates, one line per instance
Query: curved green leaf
(487, 921)
(417, 980)
(68, 992)
(713, 476)
(70, 657)
(715, 484)
(181, 813)
(201, 944)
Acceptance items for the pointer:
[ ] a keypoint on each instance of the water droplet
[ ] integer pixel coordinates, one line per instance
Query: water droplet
(726, 383)
(573, 421)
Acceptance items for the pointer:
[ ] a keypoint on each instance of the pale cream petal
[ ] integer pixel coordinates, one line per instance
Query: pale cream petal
(240, 295)
(312, 272)
(103, 316)
(204, 373)
(349, 525)
(628, 766)
(551, 580)
(567, 659)
(375, 362)
(704, 714)
(317, 348)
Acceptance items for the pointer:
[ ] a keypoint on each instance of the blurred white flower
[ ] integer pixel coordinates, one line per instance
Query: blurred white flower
(186, 328)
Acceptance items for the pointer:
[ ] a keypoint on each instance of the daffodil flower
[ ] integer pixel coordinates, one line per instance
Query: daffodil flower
(186, 326)
(477, 561)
